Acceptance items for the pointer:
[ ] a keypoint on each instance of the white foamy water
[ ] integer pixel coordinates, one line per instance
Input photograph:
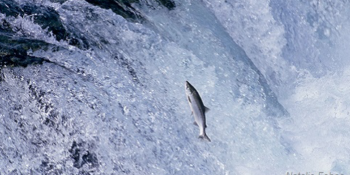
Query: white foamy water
(274, 75)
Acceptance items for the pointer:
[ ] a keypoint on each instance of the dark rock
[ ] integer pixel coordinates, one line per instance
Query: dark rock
(120, 7)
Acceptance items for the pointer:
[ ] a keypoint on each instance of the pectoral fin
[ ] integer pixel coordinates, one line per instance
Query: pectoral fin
(195, 123)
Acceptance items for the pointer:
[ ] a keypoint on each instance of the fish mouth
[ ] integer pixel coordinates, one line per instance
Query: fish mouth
(187, 84)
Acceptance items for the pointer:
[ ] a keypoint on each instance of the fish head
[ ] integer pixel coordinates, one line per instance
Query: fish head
(189, 88)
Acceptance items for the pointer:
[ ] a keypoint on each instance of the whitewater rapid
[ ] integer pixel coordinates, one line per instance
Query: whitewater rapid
(93, 88)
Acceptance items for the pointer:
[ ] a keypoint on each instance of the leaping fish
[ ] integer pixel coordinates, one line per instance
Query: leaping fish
(198, 109)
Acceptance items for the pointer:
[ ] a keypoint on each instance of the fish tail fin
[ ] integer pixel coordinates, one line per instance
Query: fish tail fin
(205, 137)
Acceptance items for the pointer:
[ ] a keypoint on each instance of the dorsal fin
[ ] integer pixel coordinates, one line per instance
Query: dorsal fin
(206, 109)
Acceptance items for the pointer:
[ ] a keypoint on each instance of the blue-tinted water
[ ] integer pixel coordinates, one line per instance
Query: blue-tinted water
(94, 89)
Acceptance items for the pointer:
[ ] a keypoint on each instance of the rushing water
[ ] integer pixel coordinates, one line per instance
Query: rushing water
(98, 87)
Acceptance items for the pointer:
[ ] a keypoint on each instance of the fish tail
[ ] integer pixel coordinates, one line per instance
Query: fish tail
(204, 136)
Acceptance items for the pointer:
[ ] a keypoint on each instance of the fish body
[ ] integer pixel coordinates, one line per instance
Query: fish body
(198, 109)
